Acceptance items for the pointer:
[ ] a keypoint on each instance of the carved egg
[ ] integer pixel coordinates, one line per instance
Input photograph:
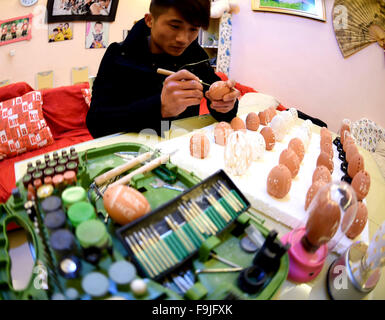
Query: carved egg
(294, 113)
(348, 140)
(297, 146)
(279, 127)
(264, 117)
(237, 155)
(221, 132)
(355, 165)
(302, 134)
(252, 121)
(279, 181)
(218, 90)
(313, 189)
(237, 124)
(351, 151)
(359, 222)
(309, 125)
(269, 137)
(322, 173)
(289, 158)
(199, 145)
(289, 120)
(273, 112)
(361, 184)
(257, 145)
(345, 126)
(328, 148)
(324, 160)
(125, 204)
(326, 136)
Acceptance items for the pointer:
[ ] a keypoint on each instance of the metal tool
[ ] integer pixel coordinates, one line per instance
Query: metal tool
(161, 184)
(218, 270)
(169, 73)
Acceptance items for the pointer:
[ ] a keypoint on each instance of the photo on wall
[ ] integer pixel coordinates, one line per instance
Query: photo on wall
(86, 10)
(60, 31)
(97, 34)
(15, 29)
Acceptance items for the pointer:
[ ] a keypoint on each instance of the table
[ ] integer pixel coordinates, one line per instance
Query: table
(23, 261)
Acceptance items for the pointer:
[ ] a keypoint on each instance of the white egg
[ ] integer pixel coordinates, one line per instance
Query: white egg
(278, 125)
(302, 133)
(289, 120)
(257, 145)
(294, 113)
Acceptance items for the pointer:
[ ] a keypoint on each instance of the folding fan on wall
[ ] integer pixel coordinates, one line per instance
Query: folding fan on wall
(358, 23)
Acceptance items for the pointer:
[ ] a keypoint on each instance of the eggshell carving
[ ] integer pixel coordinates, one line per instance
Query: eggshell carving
(289, 158)
(348, 140)
(326, 136)
(312, 191)
(297, 146)
(309, 125)
(345, 126)
(273, 112)
(322, 173)
(237, 155)
(199, 145)
(359, 222)
(361, 184)
(294, 113)
(279, 181)
(237, 124)
(327, 148)
(221, 132)
(264, 117)
(218, 90)
(351, 151)
(252, 121)
(356, 164)
(269, 137)
(289, 121)
(324, 160)
(302, 134)
(125, 204)
(257, 145)
(279, 127)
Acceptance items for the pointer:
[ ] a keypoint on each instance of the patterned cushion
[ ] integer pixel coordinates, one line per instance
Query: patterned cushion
(22, 126)
(87, 96)
(367, 133)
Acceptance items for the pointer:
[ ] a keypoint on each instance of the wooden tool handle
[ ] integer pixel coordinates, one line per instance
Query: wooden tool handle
(144, 169)
(165, 72)
(122, 168)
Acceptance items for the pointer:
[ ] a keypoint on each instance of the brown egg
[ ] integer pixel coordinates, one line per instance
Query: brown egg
(324, 160)
(218, 90)
(289, 158)
(221, 132)
(361, 184)
(264, 117)
(359, 222)
(272, 112)
(298, 147)
(327, 148)
(237, 124)
(324, 219)
(279, 181)
(326, 136)
(252, 121)
(351, 150)
(269, 137)
(125, 204)
(356, 164)
(314, 188)
(348, 140)
(344, 128)
(199, 145)
(322, 173)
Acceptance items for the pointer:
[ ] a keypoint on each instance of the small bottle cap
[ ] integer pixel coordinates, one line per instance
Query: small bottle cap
(70, 177)
(62, 161)
(38, 163)
(37, 175)
(74, 157)
(44, 191)
(95, 284)
(80, 212)
(49, 172)
(63, 241)
(55, 220)
(122, 272)
(72, 149)
(72, 165)
(69, 267)
(138, 287)
(73, 194)
(27, 179)
(37, 183)
(50, 204)
(57, 180)
(92, 233)
(64, 153)
(52, 164)
(48, 180)
(42, 167)
(31, 192)
(29, 164)
(60, 169)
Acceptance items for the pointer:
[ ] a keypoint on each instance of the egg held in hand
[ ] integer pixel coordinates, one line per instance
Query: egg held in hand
(218, 90)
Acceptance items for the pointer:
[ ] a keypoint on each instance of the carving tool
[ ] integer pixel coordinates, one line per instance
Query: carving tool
(192, 224)
(142, 258)
(212, 227)
(164, 245)
(217, 206)
(188, 248)
(183, 233)
(225, 261)
(149, 255)
(218, 270)
(166, 72)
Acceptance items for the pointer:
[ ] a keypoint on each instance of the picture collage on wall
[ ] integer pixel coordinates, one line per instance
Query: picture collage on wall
(60, 31)
(97, 34)
(15, 29)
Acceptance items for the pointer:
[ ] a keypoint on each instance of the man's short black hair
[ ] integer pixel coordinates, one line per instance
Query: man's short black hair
(195, 12)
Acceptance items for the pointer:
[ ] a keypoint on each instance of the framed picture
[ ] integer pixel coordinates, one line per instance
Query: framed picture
(97, 35)
(60, 31)
(86, 10)
(314, 9)
(15, 29)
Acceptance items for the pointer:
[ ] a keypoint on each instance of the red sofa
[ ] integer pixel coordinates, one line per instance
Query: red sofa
(64, 110)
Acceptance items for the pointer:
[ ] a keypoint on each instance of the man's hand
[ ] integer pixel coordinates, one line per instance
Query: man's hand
(180, 90)
(228, 101)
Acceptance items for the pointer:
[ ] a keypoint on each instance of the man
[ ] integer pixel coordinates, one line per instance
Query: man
(128, 94)
(67, 32)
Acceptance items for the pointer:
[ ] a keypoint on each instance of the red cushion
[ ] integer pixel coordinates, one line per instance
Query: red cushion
(14, 90)
(64, 109)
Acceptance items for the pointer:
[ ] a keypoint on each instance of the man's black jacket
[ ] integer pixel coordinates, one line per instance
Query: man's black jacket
(126, 91)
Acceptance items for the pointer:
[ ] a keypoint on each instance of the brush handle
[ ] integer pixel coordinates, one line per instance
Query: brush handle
(164, 72)
(122, 168)
(144, 169)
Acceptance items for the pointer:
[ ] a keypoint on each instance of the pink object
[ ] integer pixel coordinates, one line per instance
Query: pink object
(304, 266)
